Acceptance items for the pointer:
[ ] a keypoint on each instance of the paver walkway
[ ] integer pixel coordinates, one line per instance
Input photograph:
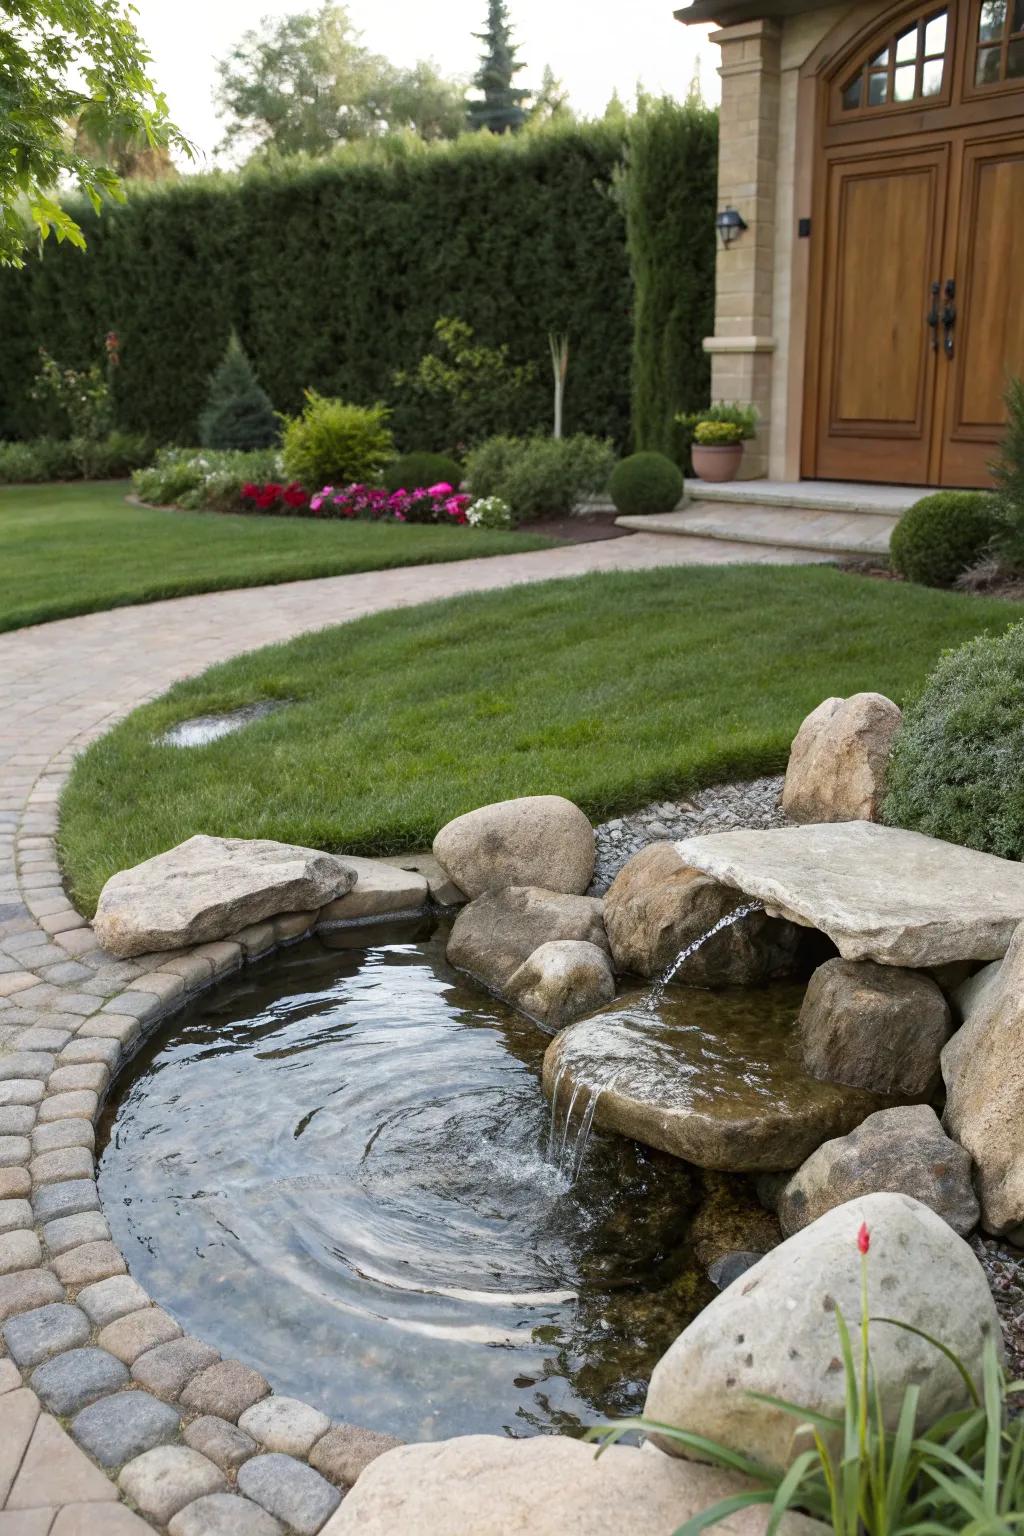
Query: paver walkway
(66, 1011)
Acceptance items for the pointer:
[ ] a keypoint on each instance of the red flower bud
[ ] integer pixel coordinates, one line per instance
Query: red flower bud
(863, 1238)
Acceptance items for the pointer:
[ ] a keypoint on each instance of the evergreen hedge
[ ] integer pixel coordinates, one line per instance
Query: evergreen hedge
(334, 272)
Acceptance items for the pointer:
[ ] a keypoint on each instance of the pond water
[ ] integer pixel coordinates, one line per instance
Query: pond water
(334, 1167)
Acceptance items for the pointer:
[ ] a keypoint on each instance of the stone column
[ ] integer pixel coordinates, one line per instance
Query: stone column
(742, 346)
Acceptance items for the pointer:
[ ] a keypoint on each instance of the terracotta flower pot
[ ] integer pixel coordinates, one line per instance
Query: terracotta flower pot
(720, 461)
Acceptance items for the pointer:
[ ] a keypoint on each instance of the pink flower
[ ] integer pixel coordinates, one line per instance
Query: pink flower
(442, 488)
(863, 1238)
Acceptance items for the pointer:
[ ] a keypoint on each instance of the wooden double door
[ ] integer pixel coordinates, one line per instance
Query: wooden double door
(919, 286)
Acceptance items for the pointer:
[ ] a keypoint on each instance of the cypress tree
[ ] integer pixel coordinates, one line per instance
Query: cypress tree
(238, 411)
(502, 107)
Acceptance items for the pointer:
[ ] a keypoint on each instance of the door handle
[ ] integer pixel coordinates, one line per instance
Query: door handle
(949, 318)
(932, 317)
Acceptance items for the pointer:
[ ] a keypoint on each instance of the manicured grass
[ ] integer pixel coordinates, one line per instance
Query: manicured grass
(612, 689)
(67, 549)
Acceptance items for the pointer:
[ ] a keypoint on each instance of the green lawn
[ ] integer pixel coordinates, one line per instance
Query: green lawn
(67, 549)
(612, 689)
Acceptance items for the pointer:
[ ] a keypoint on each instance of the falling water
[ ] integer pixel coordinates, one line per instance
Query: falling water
(567, 1143)
(566, 1147)
(657, 992)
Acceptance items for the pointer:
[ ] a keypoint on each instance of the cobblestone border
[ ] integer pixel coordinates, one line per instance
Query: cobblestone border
(157, 1409)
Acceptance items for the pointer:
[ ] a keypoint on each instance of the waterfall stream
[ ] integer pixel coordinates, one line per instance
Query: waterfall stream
(567, 1146)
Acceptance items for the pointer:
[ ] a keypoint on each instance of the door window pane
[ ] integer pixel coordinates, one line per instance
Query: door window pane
(878, 90)
(880, 60)
(1018, 17)
(931, 77)
(1015, 60)
(989, 60)
(903, 83)
(906, 46)
(851, 95)
(935, 34)
(991, 21)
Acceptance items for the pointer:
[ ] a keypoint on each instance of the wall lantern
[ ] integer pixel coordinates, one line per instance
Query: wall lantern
(730, 224)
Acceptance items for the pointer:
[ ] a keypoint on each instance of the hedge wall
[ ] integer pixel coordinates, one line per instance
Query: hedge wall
(334, 272)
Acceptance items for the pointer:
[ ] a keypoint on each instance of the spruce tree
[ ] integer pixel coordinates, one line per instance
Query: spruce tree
(501, 107)
(238, 411)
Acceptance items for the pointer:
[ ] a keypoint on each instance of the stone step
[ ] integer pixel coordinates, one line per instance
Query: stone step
(825, 532)
(811, 495)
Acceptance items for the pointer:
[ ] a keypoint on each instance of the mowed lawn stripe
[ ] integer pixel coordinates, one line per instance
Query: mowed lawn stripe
(70, 549)
(613, 689)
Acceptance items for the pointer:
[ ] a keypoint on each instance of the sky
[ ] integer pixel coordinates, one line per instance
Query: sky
(594, 46)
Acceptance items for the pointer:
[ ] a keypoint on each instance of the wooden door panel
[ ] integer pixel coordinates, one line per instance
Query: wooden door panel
(884, 214)
(989, 332)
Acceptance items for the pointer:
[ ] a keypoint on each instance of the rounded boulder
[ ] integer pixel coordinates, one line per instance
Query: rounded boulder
(541, 840)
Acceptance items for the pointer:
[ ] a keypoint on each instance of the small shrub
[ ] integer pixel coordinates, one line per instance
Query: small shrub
(475, 390)
(238, 411)
(540, 476)
(333, 443)
(646, 483)
(75, 402)
(204, 480)
(717, 434)
(1008, 473)
(954, 771)
(489, 512)
(942, 535)
(47, 458)
(413, 470)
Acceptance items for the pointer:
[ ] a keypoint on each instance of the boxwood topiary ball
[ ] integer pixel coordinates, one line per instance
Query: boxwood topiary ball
(954, 771)
(941, 536)
(645, 483)
(419, 471)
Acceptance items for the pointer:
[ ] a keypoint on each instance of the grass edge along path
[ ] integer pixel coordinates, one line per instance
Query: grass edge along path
(83, 548)
(613, 689)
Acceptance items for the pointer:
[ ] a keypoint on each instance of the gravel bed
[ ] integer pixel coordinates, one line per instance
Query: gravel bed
(758, 804)
(724, 806)
(1004, 1267)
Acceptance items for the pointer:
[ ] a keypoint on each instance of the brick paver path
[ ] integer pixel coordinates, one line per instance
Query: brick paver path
(66, 1010)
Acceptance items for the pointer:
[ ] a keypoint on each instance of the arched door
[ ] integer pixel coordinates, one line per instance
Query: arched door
(918, 271)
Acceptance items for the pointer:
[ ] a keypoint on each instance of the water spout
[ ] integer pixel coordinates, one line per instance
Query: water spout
(572, 1142)
(657, 992)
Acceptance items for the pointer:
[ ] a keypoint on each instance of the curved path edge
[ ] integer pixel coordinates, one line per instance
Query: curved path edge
(96, 1381)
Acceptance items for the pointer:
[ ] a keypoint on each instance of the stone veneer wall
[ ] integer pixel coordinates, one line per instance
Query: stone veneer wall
(759, 311)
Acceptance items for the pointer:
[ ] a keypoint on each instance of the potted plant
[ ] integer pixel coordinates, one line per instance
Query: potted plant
(717, 435)
(717, 450)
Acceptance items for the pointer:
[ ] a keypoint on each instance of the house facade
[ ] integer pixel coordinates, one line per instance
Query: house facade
(873, 306)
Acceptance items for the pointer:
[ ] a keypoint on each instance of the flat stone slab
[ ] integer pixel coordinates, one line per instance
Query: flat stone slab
(880, 893)
(714, 1078)
(208, 888)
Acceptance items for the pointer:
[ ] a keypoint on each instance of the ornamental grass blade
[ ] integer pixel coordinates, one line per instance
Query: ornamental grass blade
(805, 1415)
(951, 1355)
(710, 1450)
(899, 1476)
(719, 1511)
(787, 1489)
(993, 1428)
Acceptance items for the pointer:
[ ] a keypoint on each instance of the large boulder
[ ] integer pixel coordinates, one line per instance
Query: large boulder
(838, 760)
(541, 840)
(880, 893)
(487, 1485)
(657, 906)
(494, 934)
(210, 887)
(721, 1090)
(902, 1150)
(874, 1026)
(562, 981)
(983, 1068)
(774, 1330)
